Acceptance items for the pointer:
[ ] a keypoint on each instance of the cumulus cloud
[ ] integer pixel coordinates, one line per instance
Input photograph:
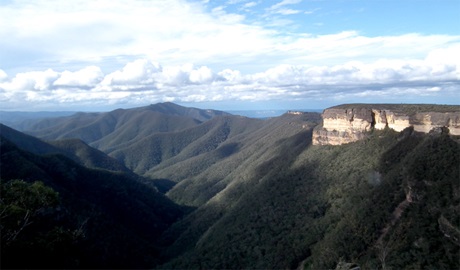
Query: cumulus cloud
(31, 81)
(177, 75)
(138, 72)
(113, 56)
(86, 77)
(231, 75)
(144, 81)
(201, 75)
(146, 73)
(3, 75)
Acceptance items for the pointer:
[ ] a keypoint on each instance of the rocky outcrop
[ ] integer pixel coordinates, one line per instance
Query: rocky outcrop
(349, 123)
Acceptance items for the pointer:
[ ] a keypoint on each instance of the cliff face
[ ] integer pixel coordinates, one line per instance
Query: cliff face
(349, 123)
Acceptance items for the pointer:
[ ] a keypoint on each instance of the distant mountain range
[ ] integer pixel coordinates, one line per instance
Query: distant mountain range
(16, 118)
(239, 192)
(267, 113)
(156, 140)
(22, 120)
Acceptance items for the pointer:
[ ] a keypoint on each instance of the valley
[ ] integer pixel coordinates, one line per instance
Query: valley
(171, 187)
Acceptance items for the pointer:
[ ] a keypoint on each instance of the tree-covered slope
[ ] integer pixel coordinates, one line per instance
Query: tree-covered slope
(141, 137)
(390, 201)
(163, 149)
(266, 198)
(27, 142)
(160, 142)
(110, 220)
(237, 158)
(74, 149)
(87, 155)
(111, 129)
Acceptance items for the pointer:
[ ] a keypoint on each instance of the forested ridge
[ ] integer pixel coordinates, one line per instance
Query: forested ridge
(97, 218)
(332, 204)
(239, 193)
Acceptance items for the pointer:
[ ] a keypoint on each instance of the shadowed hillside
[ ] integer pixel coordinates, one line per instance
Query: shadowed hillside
(102, 219)
(265, 197)
(321, 206)
(234, 160)
(167, 141)
(120, 126)
(88, 156)
(74, 149)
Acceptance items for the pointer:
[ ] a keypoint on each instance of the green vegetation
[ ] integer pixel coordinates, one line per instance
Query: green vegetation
(103, 219)
(31, 235)
(333, 204)
(408, 109)
(113, 129)
(88, 156)
(265, 197)
(20, 204)
(74, 149)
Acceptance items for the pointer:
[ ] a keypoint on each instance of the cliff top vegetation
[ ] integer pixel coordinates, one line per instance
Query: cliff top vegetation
(402, 108)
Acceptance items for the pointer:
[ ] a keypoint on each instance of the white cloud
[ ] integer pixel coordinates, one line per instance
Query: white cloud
(185, 75)
(444, 56)
(287, 11)
(113, 55)
(54, 32)
(284, 3)
(3, 75)
(138, 72)
(85, 77)
(350, 45)
(31, 81)
(231, 75)
(280, 8)
(250, 4)
(145, 74)
(233, 2)
(172, 31)
(308, 12)
(143, 81)
(176, 75)
(201, 75)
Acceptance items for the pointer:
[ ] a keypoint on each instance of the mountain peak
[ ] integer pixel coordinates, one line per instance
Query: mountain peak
(175, 109)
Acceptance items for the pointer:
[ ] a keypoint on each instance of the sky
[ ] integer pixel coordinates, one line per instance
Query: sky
(99, 55)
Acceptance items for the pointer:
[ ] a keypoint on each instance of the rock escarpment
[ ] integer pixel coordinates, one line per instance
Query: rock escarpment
(348, 123)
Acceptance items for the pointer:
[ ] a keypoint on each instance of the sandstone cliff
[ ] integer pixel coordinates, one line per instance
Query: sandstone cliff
(348, 123)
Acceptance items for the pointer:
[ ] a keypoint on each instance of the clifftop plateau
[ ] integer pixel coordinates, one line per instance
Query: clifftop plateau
(350, 122)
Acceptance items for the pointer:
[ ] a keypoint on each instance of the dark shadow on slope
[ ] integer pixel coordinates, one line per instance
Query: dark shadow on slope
(289, 149)
(227, 150)
(163, 185)
(123, 218)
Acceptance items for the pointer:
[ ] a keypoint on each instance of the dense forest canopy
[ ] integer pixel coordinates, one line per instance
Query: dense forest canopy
(223, 191)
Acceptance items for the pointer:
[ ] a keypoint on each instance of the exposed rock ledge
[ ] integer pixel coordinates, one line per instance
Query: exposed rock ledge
(348, 123)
